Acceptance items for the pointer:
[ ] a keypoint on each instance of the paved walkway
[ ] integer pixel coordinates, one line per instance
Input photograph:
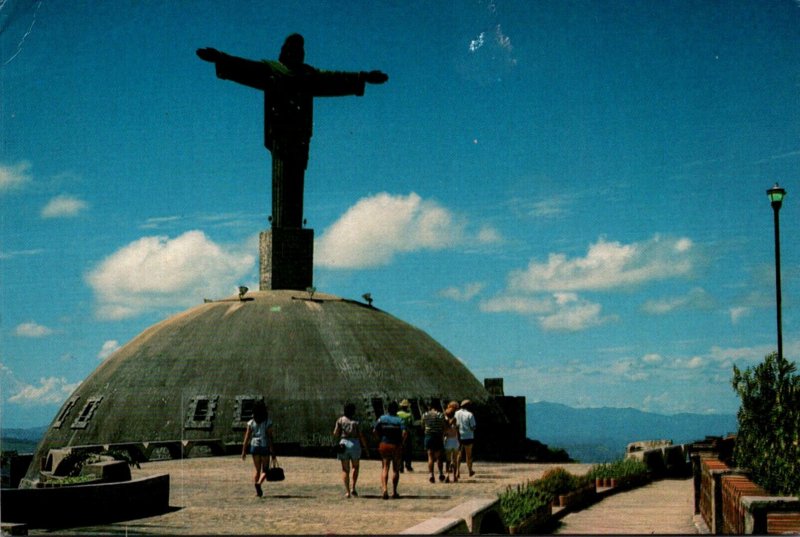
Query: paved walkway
(215, 496)
(662, 507)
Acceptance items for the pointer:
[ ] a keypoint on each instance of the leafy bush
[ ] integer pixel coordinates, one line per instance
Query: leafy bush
(620, 469)
(769, 424)
(599, 471)
(77, 480)
(520, 502)
(557, 481)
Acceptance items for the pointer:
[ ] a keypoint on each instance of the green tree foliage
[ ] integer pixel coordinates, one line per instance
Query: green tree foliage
(769, 424)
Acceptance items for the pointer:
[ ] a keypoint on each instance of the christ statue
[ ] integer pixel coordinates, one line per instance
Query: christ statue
(289, 87)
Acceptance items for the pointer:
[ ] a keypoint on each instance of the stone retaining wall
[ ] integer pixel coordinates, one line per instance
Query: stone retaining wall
(75, 505)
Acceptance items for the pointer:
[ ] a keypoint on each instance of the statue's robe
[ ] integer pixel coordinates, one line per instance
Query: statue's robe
(288, 118)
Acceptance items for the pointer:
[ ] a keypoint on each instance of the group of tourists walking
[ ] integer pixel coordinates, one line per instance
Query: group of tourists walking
(445, 435)
(448, 437)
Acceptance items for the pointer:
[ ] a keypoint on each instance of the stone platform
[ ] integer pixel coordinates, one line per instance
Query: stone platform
(215, 496)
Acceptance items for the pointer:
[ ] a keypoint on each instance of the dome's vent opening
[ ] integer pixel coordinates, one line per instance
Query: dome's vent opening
(200, 413)
(82, 421)
(62, 416)
(243, 410)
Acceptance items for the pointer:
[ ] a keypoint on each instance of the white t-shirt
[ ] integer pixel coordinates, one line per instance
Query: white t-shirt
(258, 432)
(466, 424)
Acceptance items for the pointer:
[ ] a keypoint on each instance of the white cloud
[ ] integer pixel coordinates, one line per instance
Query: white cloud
(20, 253)
(478, 42)
(13, 177)
(517, 304)
(32, 329)
(557, 312)
(550, 208)
(607, 265)
(159, 272)
(489, 235)
(51, 390)
(159, 221)
(462, 294)
(737, 313)
(742, 355)
(652, 358)
(379, 227)
(63, 206)
(697, 298)
(108, 348)
(573, 314)
(549, 290)
(627, 369)
(695, 362)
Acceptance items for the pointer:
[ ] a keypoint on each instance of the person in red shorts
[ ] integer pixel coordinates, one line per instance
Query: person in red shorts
(391, 430)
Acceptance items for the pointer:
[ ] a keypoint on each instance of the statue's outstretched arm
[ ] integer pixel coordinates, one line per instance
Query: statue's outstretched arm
(208, 54)
(248, 72)
(375, 77)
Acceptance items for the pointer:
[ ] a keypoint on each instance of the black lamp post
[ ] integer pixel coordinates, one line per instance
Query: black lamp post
(776, 195)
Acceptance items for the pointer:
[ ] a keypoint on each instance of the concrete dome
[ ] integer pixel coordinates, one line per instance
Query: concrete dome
(194, 376)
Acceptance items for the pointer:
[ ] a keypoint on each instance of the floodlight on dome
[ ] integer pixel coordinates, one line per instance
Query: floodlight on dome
(242, 291)
(368, 298)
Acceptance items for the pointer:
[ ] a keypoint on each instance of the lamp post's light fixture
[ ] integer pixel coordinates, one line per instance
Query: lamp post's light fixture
(776, 195)
(368, 298)
(242, 291)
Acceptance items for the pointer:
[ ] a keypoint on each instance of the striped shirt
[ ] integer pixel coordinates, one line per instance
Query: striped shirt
(434, 422)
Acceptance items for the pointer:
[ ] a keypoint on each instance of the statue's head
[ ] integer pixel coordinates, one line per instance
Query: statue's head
(293, 53)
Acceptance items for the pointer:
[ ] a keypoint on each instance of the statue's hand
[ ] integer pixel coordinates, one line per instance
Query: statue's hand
(376, 77)
(208, 54)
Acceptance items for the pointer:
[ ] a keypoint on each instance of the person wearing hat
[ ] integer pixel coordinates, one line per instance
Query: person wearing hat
(408, 418)
(466, 431)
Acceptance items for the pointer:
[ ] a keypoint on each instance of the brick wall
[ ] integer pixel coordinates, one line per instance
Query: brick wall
(707, 489)
(783, 523)
(731, 504)
(734, 487)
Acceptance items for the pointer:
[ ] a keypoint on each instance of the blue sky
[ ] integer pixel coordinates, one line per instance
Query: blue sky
(567, 194)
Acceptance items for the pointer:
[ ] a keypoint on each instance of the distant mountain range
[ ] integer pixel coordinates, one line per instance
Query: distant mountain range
(587, 434)
(21, 440)
(601, 434)
(34, 434)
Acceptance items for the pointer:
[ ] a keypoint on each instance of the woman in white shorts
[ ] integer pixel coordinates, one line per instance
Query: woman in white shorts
(452, 441)
(351, 440)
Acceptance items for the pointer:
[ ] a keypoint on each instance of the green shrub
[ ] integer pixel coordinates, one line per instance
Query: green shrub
(520, 502)
(628, 468)
(76, 480)
(598, 471)
(769, 424)
(556, 481)
(620, 469)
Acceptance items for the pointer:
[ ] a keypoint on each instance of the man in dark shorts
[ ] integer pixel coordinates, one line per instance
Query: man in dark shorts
(434, 422)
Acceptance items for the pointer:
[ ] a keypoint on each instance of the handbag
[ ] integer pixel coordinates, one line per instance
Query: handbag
(340, 447)
(275, 473)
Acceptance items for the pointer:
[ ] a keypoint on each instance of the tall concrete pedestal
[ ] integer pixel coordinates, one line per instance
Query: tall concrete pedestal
(286, 259)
